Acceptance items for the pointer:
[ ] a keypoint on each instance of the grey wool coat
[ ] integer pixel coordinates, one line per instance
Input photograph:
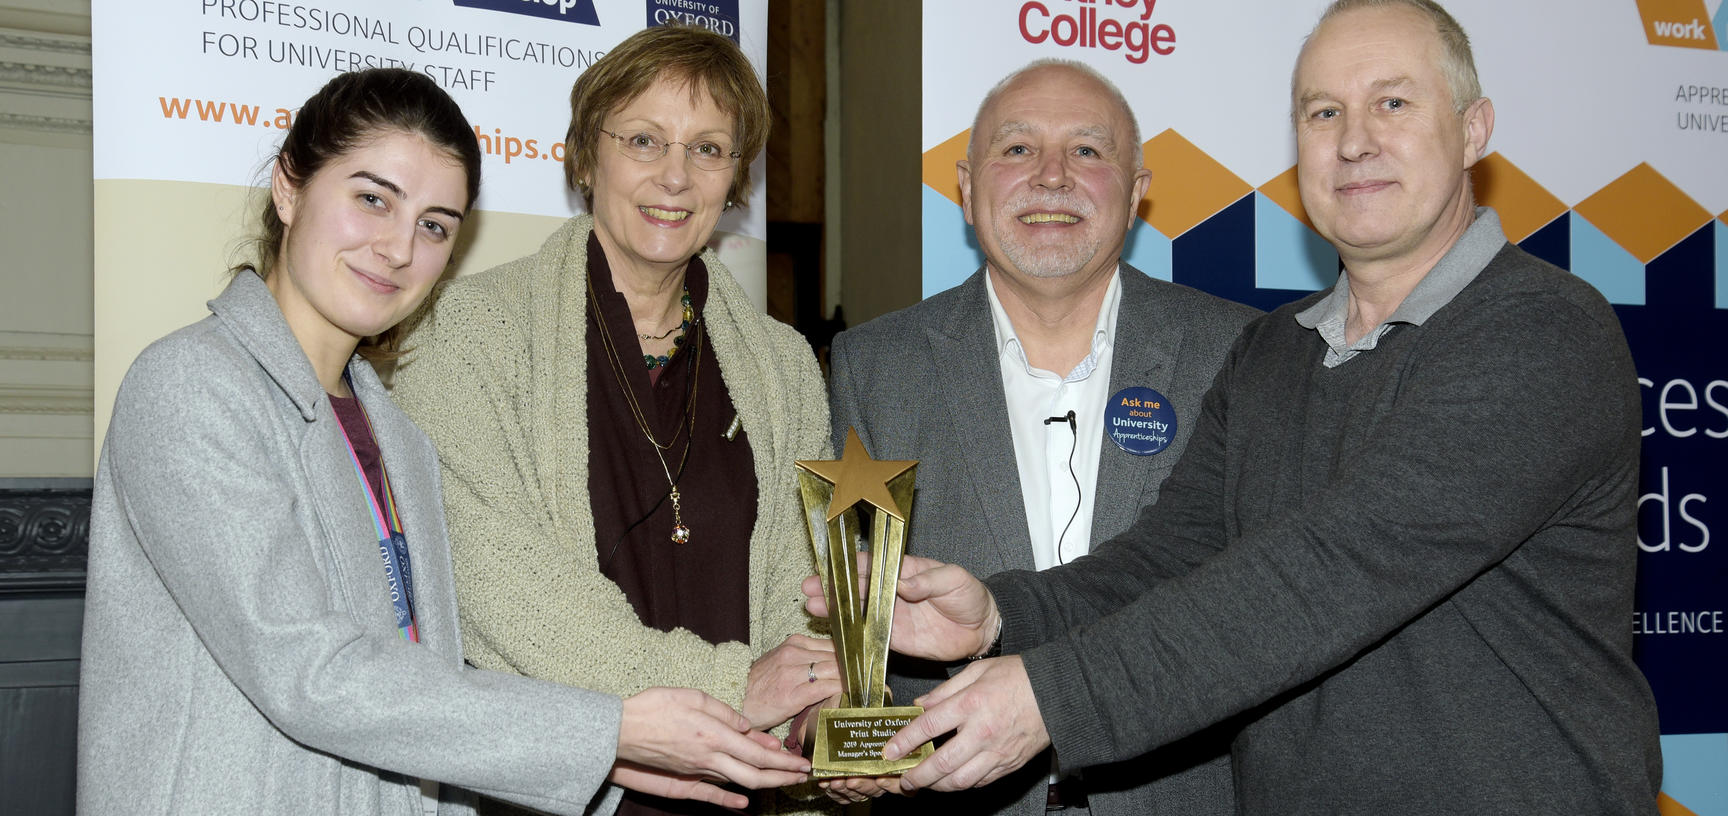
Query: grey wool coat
(240, 651)
(924, 383)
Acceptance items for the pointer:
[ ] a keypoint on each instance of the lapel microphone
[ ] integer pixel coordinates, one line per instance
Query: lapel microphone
(1068, 418)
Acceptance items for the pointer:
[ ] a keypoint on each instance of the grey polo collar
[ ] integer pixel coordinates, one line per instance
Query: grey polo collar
(1481, 241)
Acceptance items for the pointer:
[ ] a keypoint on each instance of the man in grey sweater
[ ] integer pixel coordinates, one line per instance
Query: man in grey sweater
(1400, 544)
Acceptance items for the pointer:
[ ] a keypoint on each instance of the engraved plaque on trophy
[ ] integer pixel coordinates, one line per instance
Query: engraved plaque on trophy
(849, 739)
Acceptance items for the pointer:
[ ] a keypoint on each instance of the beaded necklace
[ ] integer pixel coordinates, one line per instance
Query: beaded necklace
(683, 330)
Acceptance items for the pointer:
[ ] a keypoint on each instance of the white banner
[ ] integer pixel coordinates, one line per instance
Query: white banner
(199, 90)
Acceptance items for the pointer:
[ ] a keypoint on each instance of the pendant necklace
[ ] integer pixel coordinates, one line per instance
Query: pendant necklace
(680, 533)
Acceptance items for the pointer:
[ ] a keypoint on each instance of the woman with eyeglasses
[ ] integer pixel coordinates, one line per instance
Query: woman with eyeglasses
(617, 423)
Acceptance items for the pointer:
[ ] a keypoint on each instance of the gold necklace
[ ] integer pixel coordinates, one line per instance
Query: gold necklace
(680, 533)
(688, 316)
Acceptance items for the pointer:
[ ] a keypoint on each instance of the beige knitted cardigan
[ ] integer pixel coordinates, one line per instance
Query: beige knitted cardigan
(497, 377)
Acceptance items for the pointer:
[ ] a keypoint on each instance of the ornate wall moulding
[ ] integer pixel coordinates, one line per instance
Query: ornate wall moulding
(44, 534)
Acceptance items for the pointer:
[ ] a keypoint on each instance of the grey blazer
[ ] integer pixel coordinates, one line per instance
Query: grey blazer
(924, 383)
(240, 653)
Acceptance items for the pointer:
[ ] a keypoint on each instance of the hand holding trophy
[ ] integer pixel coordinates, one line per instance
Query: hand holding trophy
(849, 738)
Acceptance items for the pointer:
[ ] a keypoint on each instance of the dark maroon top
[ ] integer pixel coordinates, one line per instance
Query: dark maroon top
(702, 585)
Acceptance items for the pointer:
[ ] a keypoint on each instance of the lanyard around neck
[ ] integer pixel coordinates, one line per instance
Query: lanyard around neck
(392, 541)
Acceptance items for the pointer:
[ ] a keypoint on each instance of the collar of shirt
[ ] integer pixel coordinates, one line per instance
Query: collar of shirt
(1460, 265)
(1104, 331)
(1057, 464)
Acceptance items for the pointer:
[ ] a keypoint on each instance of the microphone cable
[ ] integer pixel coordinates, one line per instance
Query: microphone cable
(1074, 428)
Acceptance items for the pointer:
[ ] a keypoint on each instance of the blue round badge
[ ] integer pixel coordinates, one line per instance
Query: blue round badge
(1140, 421)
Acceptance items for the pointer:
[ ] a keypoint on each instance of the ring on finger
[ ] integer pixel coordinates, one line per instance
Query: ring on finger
(812, 671)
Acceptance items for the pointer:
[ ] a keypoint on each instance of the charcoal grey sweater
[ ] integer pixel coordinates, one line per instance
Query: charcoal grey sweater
(1411, 573)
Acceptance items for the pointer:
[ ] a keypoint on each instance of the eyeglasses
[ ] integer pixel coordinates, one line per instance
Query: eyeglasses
(647, 147)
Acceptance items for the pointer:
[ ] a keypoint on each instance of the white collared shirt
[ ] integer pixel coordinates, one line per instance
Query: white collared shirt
(1042, 451)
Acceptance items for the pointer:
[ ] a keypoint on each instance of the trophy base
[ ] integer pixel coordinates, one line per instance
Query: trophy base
(849, 742)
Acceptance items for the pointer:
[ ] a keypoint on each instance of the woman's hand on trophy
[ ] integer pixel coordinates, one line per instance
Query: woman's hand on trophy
(788, 678)
(996, 723)
(656, 782)
(942, 612)
(693, 738)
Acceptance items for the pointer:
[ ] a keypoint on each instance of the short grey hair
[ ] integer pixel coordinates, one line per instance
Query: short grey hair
(1074, 65)
(1456, 61)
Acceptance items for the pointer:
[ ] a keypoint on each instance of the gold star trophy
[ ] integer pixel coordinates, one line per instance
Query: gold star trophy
(849, 738)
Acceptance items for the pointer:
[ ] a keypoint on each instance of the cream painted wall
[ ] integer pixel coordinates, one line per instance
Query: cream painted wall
(45, 239)
(45, 312)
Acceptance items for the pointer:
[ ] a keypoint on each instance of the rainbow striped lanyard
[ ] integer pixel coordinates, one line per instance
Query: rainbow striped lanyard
(392, 542)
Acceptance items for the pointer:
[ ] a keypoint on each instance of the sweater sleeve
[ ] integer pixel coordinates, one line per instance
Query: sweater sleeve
(789, 548)
(1522, 413)
(785, 545)
(532, 601)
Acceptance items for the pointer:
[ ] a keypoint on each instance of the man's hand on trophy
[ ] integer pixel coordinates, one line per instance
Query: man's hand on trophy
(694, 737)
(850, 790)
(941, 612)
(788, 678)
(996, 723)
